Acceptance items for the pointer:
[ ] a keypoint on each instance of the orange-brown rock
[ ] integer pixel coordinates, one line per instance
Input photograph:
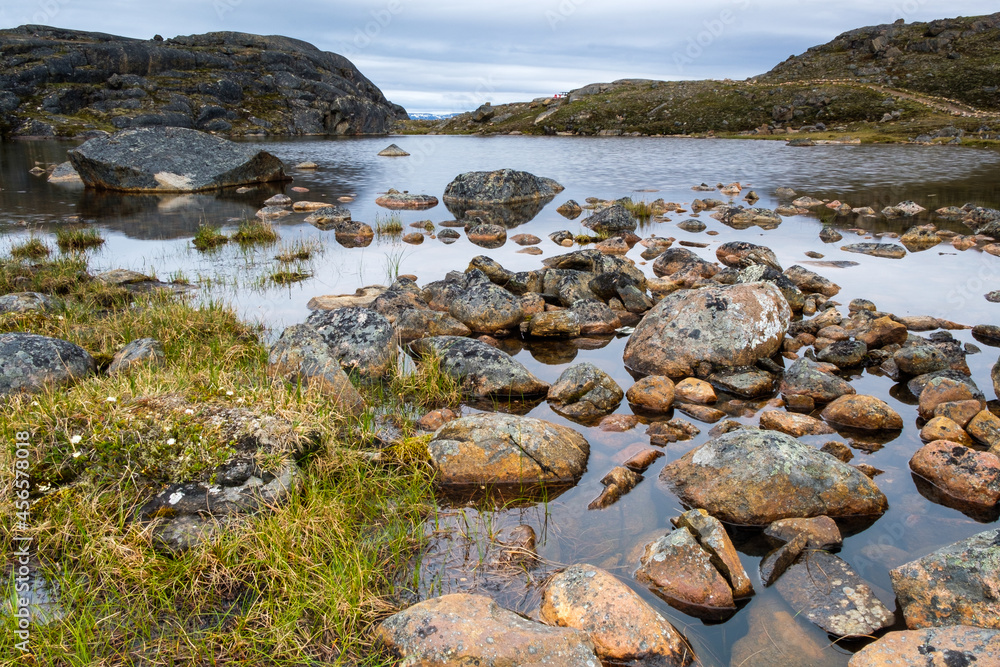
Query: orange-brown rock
(793, 424)
(776, 638)
(944, 390)
(694, 390)
(681, 572)
(862, 412)
(955, 585)
(881, 332)
(463, 629)
(435, 419)
(962, 472)
(714, 539)
(960, 412)
(942, 428)
(933, 647)
(700, 412)
(623, 627)
(985, 427)
(642, 460)
(820, 531)
(654, 393)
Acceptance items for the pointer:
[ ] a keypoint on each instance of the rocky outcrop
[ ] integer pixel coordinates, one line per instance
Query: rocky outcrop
(502, 186)
(171, 159)
(956, 585)
(61, 82)
(463, 629)
(725, 326)
(501, 450)
(32, 362)
(756, 477)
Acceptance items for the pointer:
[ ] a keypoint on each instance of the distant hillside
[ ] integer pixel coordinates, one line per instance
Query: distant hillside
(56, 82)
(882, 83)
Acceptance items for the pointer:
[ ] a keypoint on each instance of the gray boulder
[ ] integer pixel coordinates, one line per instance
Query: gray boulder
(21, 302)
(361, 339)
(482, 369)
(804, 378)
(161, 159)
(486, 308)
(733, 325)
(584, 392)
(302, 355)
(503, 186)
(755, 477)
(612, 220)
(32, 362)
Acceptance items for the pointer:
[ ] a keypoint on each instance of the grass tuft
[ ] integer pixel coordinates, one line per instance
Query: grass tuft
(208, 238)
(390, 225)
(33, 248)
(289, 277)
(255, 232)
(299, 251)
(642, 210)
(78, 240)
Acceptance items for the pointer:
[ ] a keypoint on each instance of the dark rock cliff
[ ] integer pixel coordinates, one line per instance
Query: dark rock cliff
(56, 82)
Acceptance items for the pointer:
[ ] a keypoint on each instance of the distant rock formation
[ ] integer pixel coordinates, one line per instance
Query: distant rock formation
(56, 82)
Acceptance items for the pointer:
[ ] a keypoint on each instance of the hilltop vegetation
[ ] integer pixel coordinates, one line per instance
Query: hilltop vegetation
(880, 83)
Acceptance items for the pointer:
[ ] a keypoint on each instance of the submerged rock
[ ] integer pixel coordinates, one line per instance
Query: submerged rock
(776, 638)
(884, 250)
(623, 627)
(464, 629)
(395, 199)
(502, 449)
(171, 159)
(726, 326)
(756, 477)
(32, 362)
(955, 585)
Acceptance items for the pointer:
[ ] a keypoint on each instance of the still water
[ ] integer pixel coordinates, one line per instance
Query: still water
(153, 234)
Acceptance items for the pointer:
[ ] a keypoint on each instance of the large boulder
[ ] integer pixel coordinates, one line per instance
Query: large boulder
(32, 362)
(623, 627)
(171, 159)
(502, 186)
(753, 477)
(955, 585)
(486, 308)
(482, 369)
(733, 325)
(464, 629)
(500, 449)
(362, 339)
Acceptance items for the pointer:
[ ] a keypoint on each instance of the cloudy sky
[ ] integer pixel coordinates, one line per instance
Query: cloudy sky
(452, 55)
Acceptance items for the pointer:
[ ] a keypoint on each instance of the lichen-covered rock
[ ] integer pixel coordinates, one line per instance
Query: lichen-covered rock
(757, 477)
(623, 627)
(360, 338)
(732, 325)
(820, 532)
(140, 351)
(961, 472)
(746, 381)
(503, 186)
(947, 646)
(955, 585)
(612, 220)
(486, 308)
(328, 217)
(32, 362)
(828, 592)
(416, 323)
(793, 424)
(805, 378)
(595, 317)
(303, 355)
(554, 324)
(585, 392)
(23, 302)
(464, 629)
(502, 449)
(171, 159)
(741, 254)
(884, 250)
(810, 281)
(862, 412)
(714, 539)
(482, 369)
(677, 569)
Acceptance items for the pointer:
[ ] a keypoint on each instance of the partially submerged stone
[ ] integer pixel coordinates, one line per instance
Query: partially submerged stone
(392, 150)
(395, 199)
(482, 369)
(171, 159)
(585, 392)
(464, 629)
(756, 477)
(654, 393)
(793, 424)
(623, 627)
(820, 532)
(862, 412)
(963, 473)
(714, 539)
(677, 569)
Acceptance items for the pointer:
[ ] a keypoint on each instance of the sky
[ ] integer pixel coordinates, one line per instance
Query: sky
(447, 56)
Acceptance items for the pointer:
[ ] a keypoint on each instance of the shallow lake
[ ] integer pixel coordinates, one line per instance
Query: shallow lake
(153, 234)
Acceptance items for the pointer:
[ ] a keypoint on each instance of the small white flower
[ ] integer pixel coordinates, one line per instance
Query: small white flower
(77, 455)
(189, 411)
(171, 441)
(229, 393)
(34, 403)
(75, 440)
(111, 399)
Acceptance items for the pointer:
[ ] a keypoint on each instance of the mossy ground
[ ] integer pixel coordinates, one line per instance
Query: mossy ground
(302, 584)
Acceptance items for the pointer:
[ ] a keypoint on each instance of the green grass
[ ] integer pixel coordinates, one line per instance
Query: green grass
(640, 209)
(33, 248)
(208, 238)
(300, 584)
(289, 277)
(390, 225)
(255, 232)
(298, 251)
(78, 240)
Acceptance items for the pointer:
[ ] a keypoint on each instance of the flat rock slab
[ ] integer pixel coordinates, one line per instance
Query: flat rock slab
(829, 593)
(502, 449)
(954, 646)
(463, 629)
(482, 369)
(956, 585)
(756, 477)
(776, 638)
(885, 250)
(171, 159)
(623, 627)
(32, 362)
(404, 200)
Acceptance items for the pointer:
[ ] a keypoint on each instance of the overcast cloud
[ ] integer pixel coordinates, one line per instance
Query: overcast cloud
(448, 55)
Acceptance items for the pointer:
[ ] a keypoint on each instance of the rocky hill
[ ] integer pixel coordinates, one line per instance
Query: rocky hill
(881, 83)
(56, 82)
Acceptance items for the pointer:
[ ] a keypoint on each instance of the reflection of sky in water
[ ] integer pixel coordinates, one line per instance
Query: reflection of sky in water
(154, 234)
